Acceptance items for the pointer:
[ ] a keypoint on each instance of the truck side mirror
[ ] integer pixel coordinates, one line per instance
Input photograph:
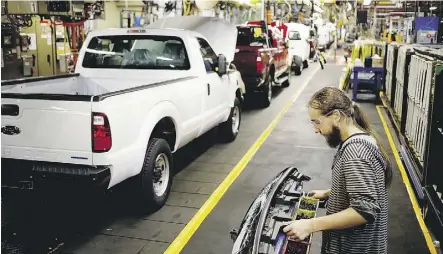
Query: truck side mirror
(222, 65)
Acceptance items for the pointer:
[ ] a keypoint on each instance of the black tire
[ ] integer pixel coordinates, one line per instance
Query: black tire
(305, 64)
(226, 129)
(287, 83)
(149, 201)
(266, 95)
(297, 65)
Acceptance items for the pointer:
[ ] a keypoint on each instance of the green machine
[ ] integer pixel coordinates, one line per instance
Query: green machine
(40, 37)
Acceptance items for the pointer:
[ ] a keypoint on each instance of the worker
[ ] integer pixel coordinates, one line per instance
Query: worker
(319, 56)
(356, 218)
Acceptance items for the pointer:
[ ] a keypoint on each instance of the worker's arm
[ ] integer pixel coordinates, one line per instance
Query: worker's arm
(320, 194)
(345, 219)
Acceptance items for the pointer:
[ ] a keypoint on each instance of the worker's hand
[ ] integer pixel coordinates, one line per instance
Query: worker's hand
(299, 229)
(319, 194)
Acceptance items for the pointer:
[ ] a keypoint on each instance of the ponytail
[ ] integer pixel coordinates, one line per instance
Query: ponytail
(360, 117)
(361, 120)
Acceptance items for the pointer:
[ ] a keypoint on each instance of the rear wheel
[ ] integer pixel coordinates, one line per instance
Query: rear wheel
(155, 179)
(297, 65)
(266, 94)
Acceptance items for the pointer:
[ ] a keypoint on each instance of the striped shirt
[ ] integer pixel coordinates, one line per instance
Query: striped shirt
(358, 182)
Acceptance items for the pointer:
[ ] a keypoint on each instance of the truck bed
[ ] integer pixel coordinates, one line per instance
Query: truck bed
(69, 84)
(50, 118)
(74, 85)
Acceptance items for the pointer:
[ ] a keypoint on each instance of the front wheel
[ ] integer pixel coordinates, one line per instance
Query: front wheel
(230, 128)
(155, 179)
(287, 83)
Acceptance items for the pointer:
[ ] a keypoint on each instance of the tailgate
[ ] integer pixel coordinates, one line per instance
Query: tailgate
(245, 60)
(47, 130)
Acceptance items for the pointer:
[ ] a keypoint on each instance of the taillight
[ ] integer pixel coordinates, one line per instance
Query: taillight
(101, 133)
(259, 63)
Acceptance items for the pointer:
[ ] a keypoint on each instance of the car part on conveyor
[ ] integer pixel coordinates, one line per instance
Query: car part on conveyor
(281, 201)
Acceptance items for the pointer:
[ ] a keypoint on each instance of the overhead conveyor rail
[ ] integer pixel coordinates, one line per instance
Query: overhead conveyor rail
(414, 96)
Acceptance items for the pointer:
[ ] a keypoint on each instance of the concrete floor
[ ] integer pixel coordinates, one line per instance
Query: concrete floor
(109, 225)
(294, 143)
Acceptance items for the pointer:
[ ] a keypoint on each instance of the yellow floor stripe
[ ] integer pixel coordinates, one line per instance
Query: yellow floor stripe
(182, 239)
(407, 183)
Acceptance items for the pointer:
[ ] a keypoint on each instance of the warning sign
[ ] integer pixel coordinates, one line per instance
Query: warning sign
(426, 36)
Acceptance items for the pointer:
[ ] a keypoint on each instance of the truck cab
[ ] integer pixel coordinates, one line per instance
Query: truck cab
(261, 58)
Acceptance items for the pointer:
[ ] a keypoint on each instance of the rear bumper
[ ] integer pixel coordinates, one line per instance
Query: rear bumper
(33, 175)
(253, 83)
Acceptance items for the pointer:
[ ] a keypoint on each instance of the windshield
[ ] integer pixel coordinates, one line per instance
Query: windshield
(250, 36)
(136, 52)
(294, 35)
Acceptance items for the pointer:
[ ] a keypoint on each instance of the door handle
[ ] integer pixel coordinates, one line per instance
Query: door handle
(209, 89)
(48, 58)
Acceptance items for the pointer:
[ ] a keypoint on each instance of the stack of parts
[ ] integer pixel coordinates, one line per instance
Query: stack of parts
(279, 203)
(290, 204)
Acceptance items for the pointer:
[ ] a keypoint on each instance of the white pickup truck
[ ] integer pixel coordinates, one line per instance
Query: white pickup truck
(138, 95)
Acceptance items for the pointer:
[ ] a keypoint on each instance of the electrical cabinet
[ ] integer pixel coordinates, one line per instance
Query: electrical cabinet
(42, 37)
(24, 7)
(38, 7)
(42, 34)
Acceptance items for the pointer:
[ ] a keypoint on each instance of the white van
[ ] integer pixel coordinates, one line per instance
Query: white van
(297, 38)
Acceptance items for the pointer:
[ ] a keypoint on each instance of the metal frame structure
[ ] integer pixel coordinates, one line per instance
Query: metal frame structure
(414, 98)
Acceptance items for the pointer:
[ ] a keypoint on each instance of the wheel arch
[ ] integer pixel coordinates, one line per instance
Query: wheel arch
(162, 115)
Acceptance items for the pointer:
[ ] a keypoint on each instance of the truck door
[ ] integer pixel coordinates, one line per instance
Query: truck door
(216, 92)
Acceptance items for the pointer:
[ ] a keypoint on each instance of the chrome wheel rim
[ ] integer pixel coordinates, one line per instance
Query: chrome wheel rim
(235, 119)
(161, 174)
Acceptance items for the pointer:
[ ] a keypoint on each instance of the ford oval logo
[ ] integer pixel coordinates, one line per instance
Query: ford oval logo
(10, 130)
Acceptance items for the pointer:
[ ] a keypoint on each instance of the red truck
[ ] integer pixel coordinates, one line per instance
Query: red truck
(262, 59)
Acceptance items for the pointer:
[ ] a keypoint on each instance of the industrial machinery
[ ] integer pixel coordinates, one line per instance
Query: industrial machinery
(281, 201)
(38, 36)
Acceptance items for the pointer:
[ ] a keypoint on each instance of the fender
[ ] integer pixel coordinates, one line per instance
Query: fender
(125, 169)
(233, 86)
(159, 111)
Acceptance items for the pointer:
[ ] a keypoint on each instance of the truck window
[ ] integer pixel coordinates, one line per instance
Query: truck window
(136, 52)
(294, 35)
(208, 54)
(250, 36)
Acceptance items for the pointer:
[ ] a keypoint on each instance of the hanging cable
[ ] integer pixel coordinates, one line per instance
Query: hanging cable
(187, 7)
(289, 14)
